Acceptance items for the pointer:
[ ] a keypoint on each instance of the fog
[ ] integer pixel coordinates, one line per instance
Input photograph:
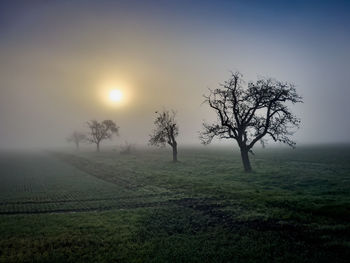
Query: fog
(60, 58)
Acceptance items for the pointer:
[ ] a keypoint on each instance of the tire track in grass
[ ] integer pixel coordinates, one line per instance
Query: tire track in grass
(89, 209)
(71, 200)
(92, 168)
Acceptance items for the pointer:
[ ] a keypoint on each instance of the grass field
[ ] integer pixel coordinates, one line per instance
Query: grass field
(108, 207)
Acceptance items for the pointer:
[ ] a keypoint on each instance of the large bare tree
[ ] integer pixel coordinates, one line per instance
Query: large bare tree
(166, 130)
(77, 138)
(248, 114)
(101, 131)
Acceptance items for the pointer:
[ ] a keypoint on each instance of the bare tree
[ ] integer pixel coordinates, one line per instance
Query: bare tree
(248, 114)
(77, 138)
(128, 148)
(101, 131)
(165, 131)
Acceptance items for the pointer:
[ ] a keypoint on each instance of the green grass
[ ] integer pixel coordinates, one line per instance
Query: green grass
(107, 207)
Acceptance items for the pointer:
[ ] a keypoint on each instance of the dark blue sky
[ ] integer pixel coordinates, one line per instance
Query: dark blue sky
(56, 54)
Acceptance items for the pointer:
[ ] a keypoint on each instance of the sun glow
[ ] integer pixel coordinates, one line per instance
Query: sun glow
(115, 95)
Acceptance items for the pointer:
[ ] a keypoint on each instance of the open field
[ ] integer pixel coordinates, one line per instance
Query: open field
(108, 207)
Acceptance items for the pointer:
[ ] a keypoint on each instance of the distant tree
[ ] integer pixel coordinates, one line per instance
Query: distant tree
(247, 114)
(128, 148)
(101, 131)
(165, 132)
(77, 138)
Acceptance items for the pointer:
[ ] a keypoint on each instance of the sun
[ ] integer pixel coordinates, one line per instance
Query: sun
(115, 95)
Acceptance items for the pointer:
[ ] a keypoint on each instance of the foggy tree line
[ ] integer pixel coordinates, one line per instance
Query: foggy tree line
(98, 131)
(245, 113)
(165, 131)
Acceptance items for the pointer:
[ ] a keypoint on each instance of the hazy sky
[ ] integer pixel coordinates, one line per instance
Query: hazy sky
(60, 58)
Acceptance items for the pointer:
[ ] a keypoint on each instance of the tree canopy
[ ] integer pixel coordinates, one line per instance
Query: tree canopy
(248, 114)
(165, 131)
(101, 131)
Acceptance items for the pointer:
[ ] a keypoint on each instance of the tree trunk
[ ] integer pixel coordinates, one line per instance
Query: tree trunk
(245, 160)
(98, 147)
(77, 146)
(175, 153)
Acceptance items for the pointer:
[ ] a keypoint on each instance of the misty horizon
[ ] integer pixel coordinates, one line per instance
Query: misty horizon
(60, 59)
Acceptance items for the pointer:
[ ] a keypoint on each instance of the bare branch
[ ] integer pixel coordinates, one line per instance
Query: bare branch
(166, 130)
(249, 114)
(101, 131)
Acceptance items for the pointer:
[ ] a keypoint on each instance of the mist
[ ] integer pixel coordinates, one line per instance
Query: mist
(59, 58)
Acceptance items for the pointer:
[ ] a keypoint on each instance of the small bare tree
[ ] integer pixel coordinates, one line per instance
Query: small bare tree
(248, 114)
(165, 131)
(128, 148)
(77, 138)
(101, 131)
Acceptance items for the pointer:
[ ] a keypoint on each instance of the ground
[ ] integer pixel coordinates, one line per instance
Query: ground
(141, 207)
